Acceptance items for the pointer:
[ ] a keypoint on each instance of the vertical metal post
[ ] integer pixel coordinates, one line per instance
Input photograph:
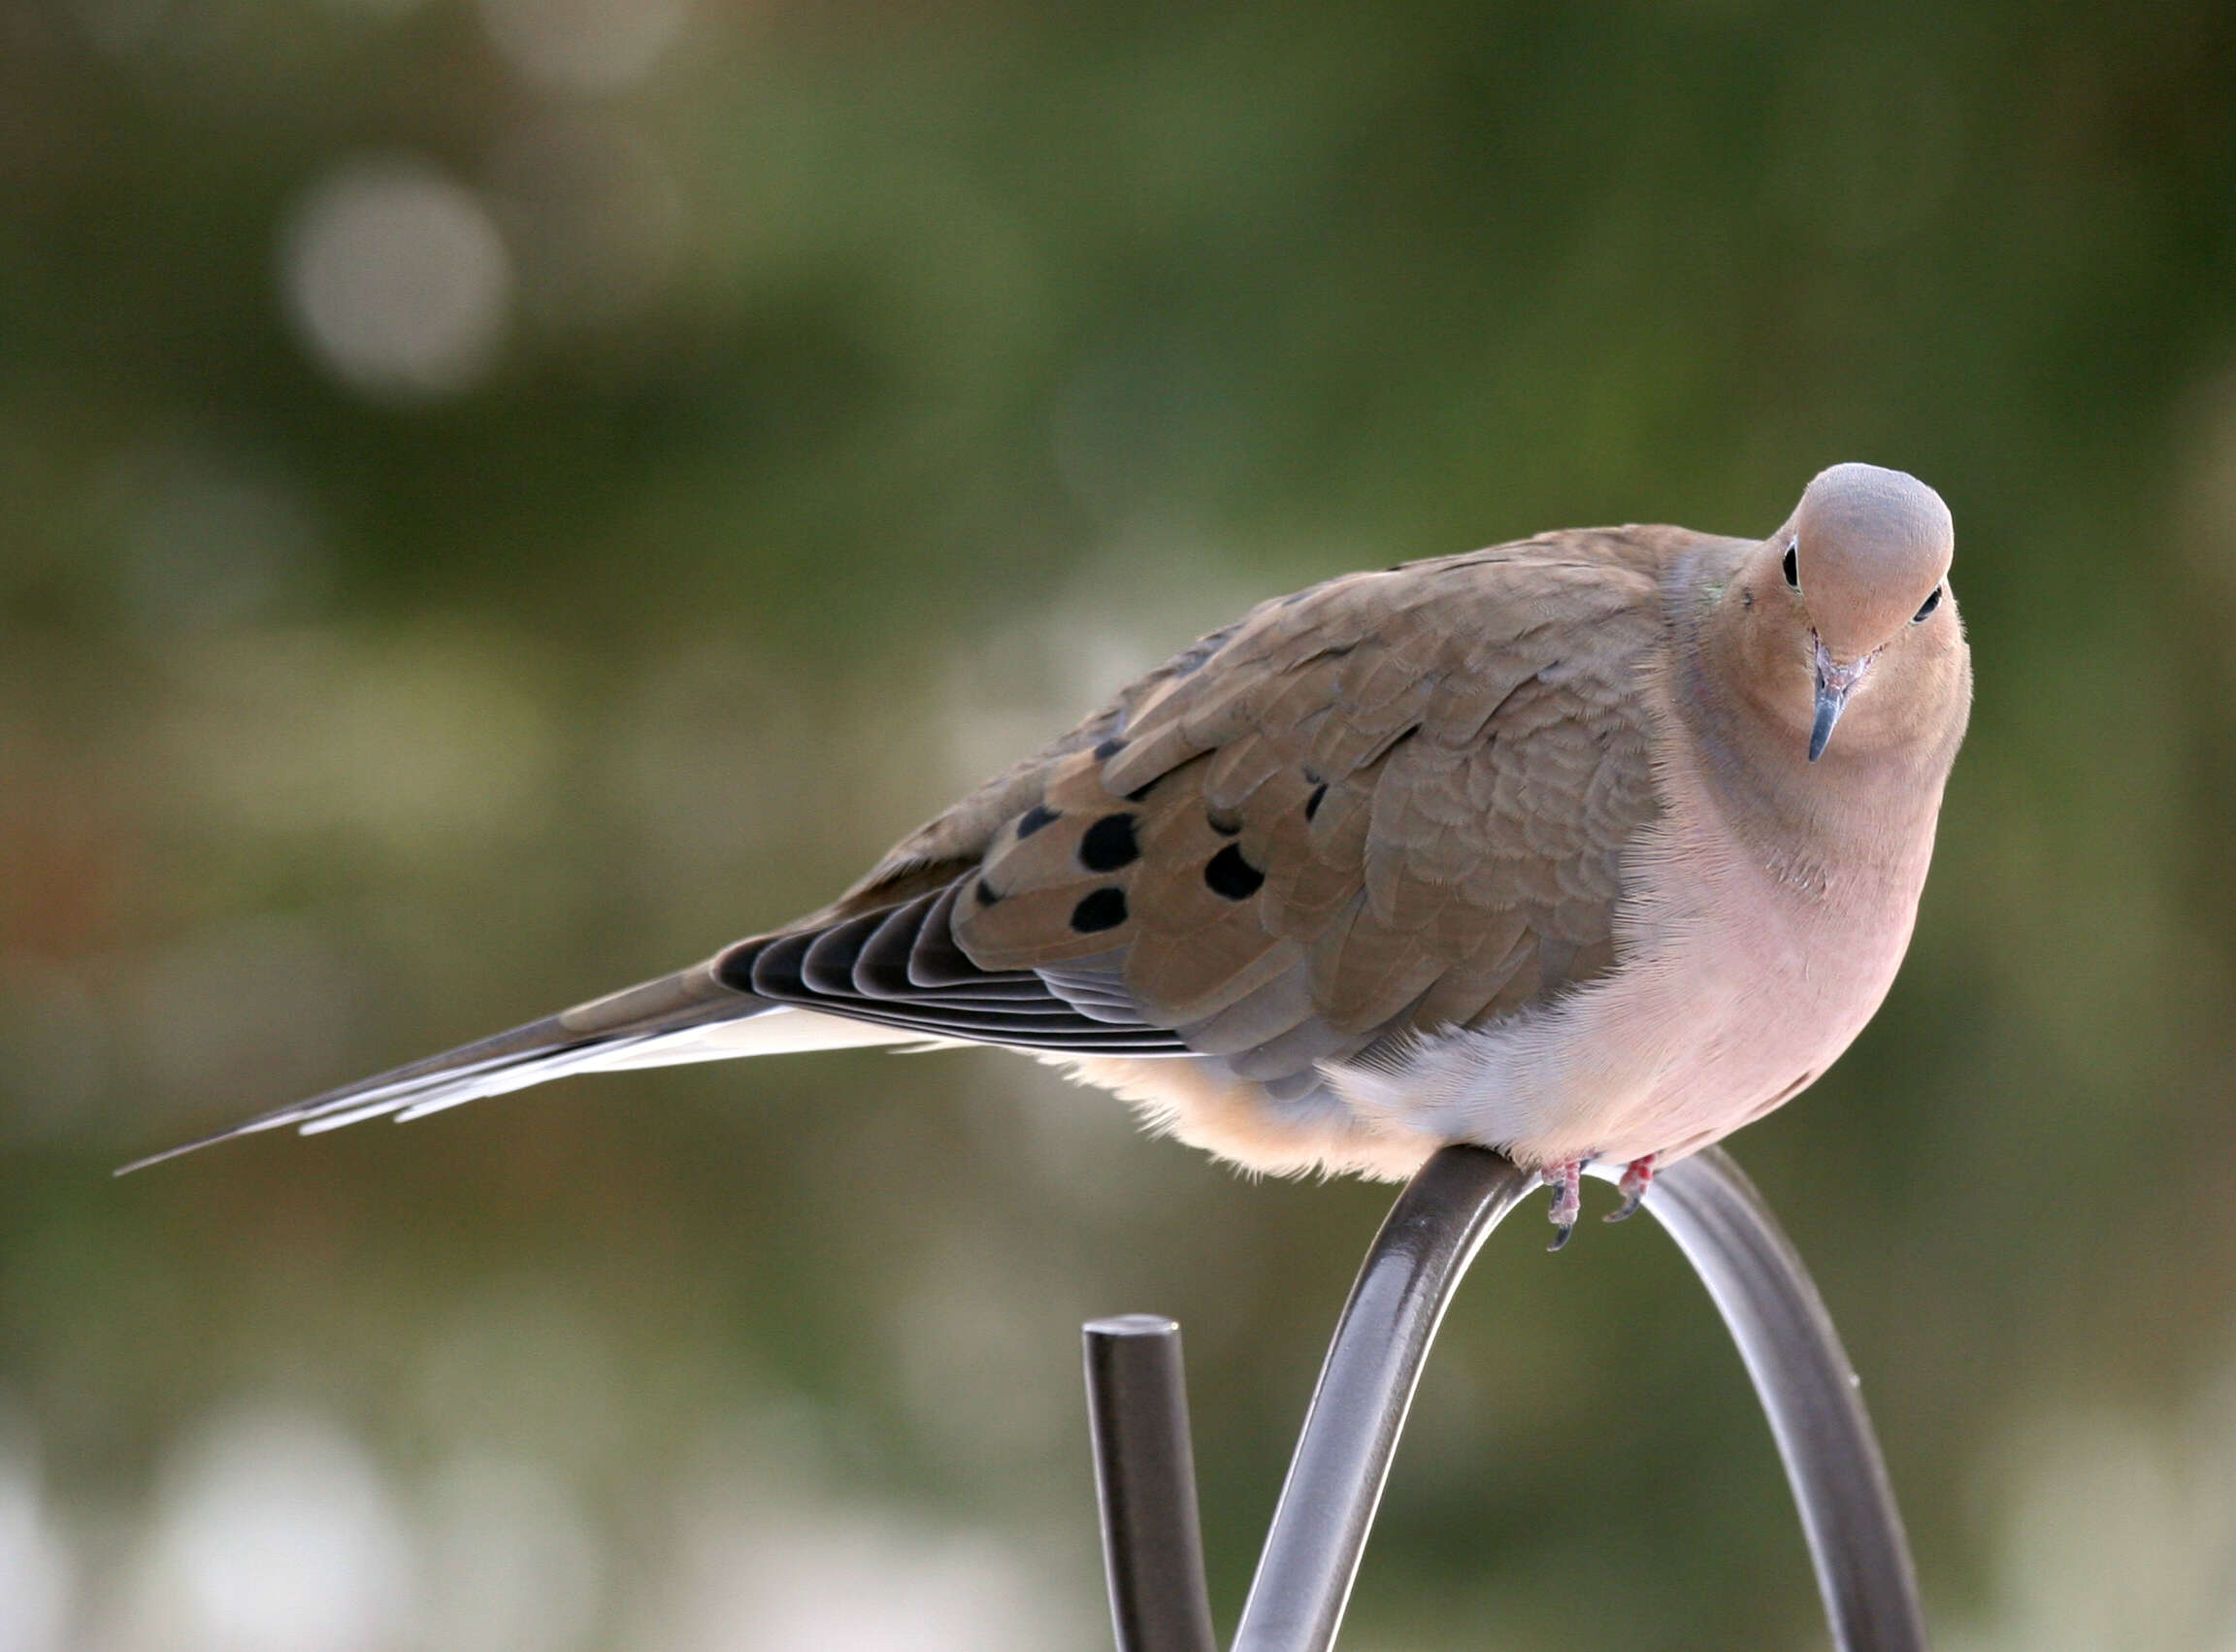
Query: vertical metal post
(1146, 1481)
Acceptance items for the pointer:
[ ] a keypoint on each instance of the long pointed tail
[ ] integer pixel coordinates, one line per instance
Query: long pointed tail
(686, 1017)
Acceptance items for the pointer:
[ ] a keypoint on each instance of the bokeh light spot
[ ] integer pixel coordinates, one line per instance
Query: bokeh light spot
(582, 45)
(279, 1534)
(34, 1570)
(397, 280)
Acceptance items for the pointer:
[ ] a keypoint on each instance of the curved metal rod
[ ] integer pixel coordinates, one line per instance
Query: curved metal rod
(1809, 1392)
(1793, 1354)
(1343, 1459)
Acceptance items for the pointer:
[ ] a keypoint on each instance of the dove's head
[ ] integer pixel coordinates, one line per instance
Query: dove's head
(1853, 590)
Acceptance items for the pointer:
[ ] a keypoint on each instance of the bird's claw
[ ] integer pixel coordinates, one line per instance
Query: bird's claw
(1565, 1182)
(1637, 1177)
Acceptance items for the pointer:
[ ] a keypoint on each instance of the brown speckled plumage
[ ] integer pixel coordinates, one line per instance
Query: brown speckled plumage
(1524, 847)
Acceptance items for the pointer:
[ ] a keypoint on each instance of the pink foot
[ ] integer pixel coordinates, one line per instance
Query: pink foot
(1565, 1182)
(1637, 1177)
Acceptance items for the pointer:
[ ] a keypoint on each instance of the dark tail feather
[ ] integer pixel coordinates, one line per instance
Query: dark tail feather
(574, 1041)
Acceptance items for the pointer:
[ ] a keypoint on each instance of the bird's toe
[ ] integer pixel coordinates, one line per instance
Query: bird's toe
(1637, 1177)
(1565, 1184)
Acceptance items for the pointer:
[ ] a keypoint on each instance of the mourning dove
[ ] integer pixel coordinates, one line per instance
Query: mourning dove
(1595, 846)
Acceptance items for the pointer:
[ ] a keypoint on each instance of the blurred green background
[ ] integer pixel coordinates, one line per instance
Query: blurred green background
(499, 499)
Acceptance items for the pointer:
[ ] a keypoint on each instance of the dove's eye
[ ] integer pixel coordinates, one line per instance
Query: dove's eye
(1930, 603)
(1793, 565)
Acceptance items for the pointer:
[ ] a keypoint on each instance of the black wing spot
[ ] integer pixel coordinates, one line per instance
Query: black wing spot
(1228, 873)
(1110, 843)
(1318, 796)
(1036, 817)
(1105, 909)
(1109, 748)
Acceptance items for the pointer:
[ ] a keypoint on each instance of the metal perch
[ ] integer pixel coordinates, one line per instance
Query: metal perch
(1146, 1479)
(1144, 1469)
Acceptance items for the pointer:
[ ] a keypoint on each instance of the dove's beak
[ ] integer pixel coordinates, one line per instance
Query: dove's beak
(1835, 682)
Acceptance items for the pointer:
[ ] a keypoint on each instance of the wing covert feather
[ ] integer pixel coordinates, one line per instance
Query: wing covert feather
(1394, 799)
